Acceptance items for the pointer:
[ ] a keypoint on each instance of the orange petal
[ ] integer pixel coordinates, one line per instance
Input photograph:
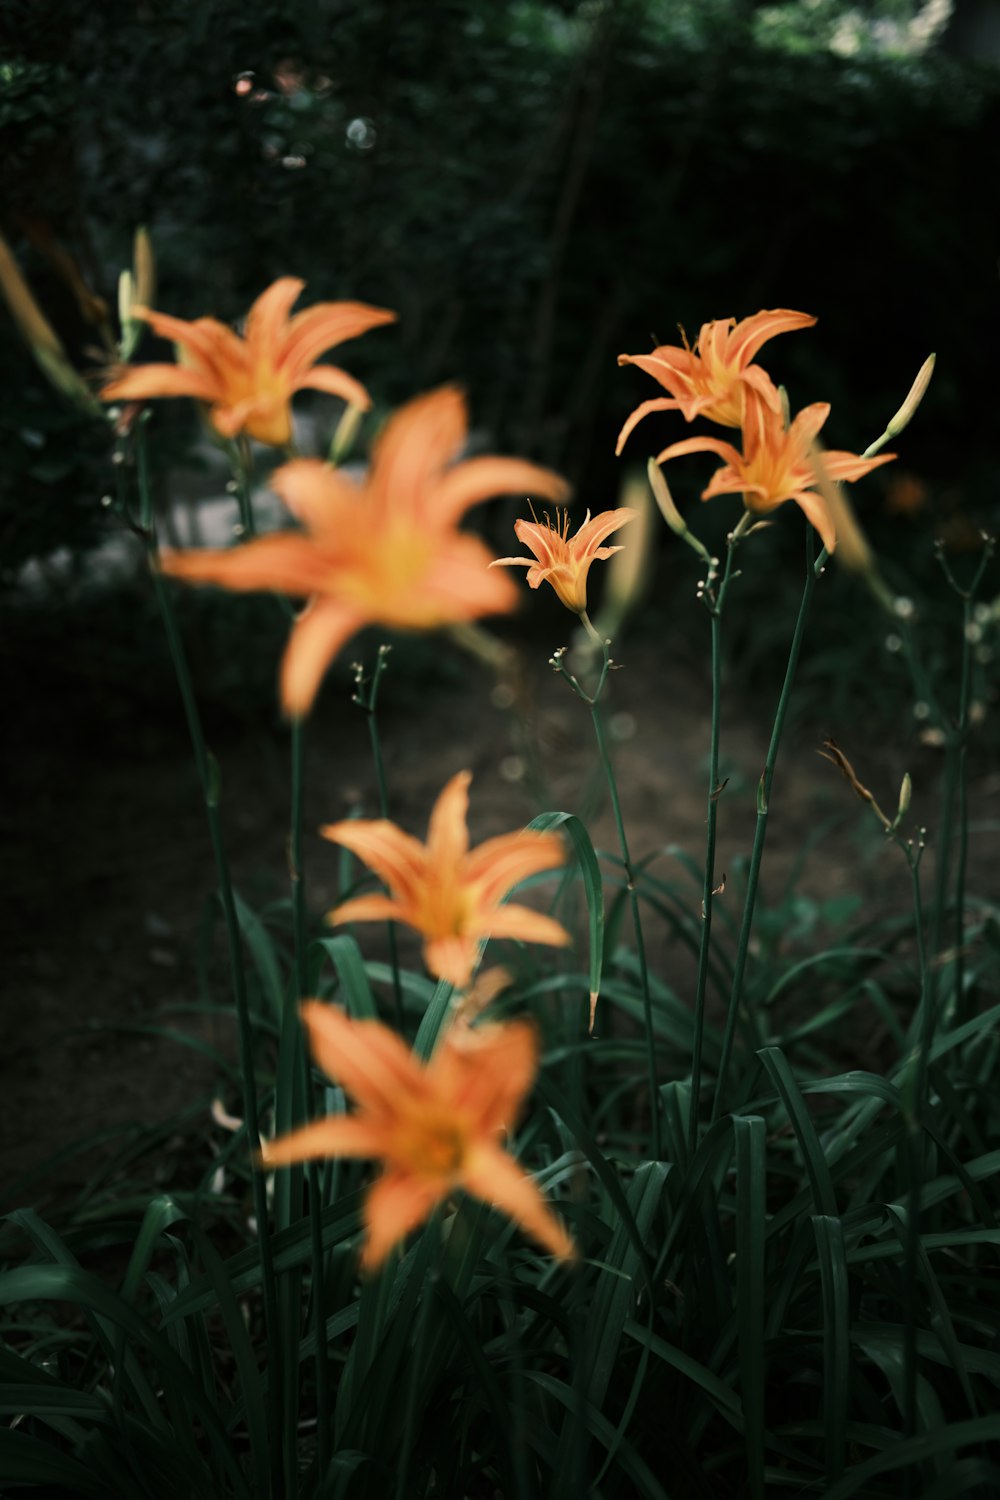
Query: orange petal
(815, 508)
(267, 319)
(712, 343)
(492, 1175)
(761, 383)
(851, 465)
(146, 382)
(337, 1135)
(315, 330)
(287, 563)
(335, 382)
(452, 958)
(673, 368)
(415, 446)
(544, 541)
(486, 1071)
(479, 478)
(205, 340)
(397, 1203)
(448, 832)
(316, 637)
(808, 422)
(701, 445)
(749, 335)
(397, 858)
(729, 481)
(268, 418)
(498, 864)
(322, 498)
(373, 908)
(593, 532)
(526, 925)
(456, 586)
(368, 1059)
(659, 403)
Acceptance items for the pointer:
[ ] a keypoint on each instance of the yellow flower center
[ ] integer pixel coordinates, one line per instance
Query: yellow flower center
(446, 906)
(378, 569)
(431, 1144)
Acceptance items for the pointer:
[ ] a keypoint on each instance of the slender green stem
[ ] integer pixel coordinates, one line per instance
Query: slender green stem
(708, 892)
(300, 927)
(208, 776)
(715, 602)
(594, 704)
(760, 833)
(914, 1097)
(961, 748)
(243, 464)
(295, 862)
(368, 703)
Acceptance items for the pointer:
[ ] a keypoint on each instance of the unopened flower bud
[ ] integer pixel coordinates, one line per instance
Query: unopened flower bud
(38, 333)
(629, 568)
(906, 412)
(905, 793)
(669, 511)
(126, 296)
(143, 268)
(916, 394)
(347, 431)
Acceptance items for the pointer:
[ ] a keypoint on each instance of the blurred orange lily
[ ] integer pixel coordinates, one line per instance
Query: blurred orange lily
(446, 891)
(564, 560)
(710, 380)
(385, 550)
(776, 464)
(434, 1125)
(248, 382)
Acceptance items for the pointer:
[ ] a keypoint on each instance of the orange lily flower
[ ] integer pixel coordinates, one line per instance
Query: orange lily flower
(435, 1125)
(776, 463)
(564, 560)
(381, 551)
(710, 380)
(248, 382)
(446, 891)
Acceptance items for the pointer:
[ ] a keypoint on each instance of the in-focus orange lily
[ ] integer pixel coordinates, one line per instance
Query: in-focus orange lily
(776, 463)
(434, 1125)
(564, 560)
(385, 550)
(446, 891)
(710, 380)
(249, 381)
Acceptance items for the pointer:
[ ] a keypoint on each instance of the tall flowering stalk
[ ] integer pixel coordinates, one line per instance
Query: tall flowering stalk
(564, 562)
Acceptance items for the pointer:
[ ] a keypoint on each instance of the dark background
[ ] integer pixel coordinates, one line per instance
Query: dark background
(535, 187)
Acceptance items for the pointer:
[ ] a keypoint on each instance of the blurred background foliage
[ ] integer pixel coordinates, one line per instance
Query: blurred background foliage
(536, 186)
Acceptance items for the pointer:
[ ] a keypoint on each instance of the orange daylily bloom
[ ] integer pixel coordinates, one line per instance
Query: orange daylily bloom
(564, 560)
(446, 891)
(711, 379)
(776, 463)
(434, 1125)
(385, 550)
(249, 381)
